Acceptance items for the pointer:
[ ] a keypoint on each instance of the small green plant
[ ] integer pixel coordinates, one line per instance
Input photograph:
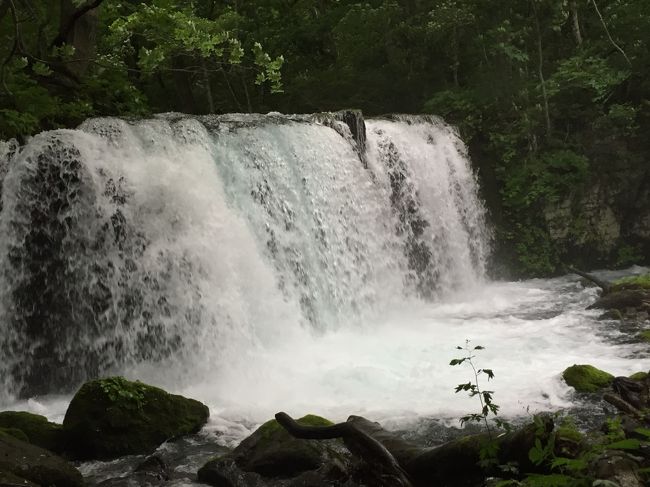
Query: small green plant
(118, 388)
(473, 388)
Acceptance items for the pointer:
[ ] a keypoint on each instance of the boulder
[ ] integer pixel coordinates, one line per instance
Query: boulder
(37, 429)
(271, 452)
(586, 378)
(638, 299)
(113, 417)
(20, 461)
(7, 479)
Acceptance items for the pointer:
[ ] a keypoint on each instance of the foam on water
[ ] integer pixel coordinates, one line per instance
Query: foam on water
(265, 263)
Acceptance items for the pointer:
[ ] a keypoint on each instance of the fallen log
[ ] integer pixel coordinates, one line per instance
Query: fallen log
(604, 285)
(456, 463)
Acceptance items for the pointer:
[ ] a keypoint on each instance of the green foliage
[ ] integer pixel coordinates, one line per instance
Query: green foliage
(632, 282)
(489, 449)
(627, 255)
(129, 394)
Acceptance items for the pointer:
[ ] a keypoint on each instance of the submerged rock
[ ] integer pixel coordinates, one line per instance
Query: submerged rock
(587, 378)
(112, 417)
(36, 429)
(21, 461)
(272, 453)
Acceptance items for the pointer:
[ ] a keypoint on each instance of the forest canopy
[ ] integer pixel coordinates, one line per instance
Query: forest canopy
(546, 93)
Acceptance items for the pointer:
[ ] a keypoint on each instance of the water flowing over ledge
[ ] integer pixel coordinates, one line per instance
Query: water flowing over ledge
(185, 243)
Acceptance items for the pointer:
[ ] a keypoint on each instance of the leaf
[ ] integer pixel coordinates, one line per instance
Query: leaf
(629, 444)
(457, 361)
(41, 69)
(479, 347)
(643, 431)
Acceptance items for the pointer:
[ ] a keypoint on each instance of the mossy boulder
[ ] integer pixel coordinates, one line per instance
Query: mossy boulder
(20, 461)
(10, 480)
(112, 417)
(273, 453)
(632, 282)
(645, 335)
(37, 429)
(587, 378)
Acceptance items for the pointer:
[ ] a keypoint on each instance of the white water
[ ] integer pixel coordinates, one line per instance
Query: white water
(258, 266)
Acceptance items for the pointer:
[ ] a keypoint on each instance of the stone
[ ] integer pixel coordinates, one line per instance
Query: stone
(113, 417)
(34, 464)
(622, 300)
(271, 452)
(37, 429)
(586, 378)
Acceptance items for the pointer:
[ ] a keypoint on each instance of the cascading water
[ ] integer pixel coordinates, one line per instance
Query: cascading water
(316, 264)
(187, 242)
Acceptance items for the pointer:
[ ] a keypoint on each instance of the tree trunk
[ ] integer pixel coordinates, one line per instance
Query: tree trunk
(575, 22)
(78, 28)
(185, 97)
(540, 54)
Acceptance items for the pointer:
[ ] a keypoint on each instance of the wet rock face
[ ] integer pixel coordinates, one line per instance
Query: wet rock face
(608, 219)
(112, 417)
(36, 429)
(21, 461)
(270, 456)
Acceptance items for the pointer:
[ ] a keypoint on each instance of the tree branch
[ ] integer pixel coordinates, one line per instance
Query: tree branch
(605, 286)
(65, 31)
(616, 46)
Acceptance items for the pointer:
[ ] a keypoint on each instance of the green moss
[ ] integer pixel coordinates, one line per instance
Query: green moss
(15, 432)
(632, 282)
(639, 375)
(586, 378)
(569, 433)
(38, 430)
(114, 417)
(27, 461)
(272, 428)
(645, 335)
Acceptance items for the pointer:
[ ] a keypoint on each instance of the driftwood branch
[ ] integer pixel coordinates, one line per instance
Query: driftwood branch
(623, 406)
(605, 286)
(360, 444)
(404, 464)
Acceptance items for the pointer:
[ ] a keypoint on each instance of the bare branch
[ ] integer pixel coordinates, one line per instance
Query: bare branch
(616, 46)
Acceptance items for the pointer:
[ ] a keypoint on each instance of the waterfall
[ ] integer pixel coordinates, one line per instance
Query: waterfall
(179, 242)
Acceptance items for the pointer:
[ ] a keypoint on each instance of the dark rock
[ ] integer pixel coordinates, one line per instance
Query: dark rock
(224, 472)
(618, 467)
(38, 430)
(26, 461)
(112, 417)
(152, 472)
(272, 453)
(611, 314)
(153, 467)
(7, 479)
(622, 300)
